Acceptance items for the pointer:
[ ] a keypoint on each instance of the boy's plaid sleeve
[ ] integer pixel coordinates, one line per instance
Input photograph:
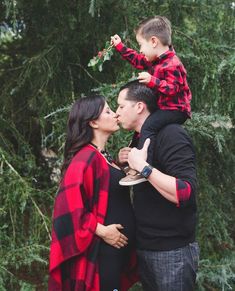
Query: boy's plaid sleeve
(171, 83)
(136, 60)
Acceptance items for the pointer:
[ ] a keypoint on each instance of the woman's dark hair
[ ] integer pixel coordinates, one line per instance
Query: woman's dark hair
(79, 132)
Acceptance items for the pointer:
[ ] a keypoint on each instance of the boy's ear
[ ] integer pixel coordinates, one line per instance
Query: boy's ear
(154, 41)
(93, 124)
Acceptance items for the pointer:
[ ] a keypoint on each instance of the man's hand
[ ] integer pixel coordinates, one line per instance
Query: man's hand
(111, 235)
(115, 40)
(137, 158)
(123, 155)
(144, 77)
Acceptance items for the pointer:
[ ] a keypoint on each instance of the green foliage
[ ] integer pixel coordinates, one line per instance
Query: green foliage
(102, 56)
(217, 273)
(7, 35)
(24, 212)
(43, 69)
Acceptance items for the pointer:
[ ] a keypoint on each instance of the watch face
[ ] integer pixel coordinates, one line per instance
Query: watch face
(147, 170)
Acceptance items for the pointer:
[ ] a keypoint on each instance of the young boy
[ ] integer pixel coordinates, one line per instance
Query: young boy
(165, 74)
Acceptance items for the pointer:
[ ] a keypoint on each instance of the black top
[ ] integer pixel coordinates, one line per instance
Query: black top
(120, 210)
(161, 225)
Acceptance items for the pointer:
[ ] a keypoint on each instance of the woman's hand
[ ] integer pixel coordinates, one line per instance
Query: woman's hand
(111, 235)
(123, 155)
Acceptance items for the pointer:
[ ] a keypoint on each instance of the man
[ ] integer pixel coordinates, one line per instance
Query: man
(165, 206)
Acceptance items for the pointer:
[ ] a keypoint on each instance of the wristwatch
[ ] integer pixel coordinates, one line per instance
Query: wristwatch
(147, 170)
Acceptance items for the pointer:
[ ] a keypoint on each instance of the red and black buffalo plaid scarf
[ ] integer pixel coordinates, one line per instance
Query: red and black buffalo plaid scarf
(81, 203)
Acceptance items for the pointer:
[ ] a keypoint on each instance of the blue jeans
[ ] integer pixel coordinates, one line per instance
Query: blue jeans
(173, 270)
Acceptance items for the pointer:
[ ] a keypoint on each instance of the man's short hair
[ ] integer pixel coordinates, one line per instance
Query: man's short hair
(140, 93)
(158, 26)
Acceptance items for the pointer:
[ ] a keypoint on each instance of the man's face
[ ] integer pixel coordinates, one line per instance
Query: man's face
(127, 111)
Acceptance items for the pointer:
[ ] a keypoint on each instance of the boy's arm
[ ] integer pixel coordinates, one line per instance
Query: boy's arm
(136, 60)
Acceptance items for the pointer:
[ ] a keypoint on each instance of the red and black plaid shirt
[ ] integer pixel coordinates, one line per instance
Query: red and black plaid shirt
(168, 78)
(80, 204)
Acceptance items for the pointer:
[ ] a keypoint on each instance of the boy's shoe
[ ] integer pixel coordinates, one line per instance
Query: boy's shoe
(132, 178)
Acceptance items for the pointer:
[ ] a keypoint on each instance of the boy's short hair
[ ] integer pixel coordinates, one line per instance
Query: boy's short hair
(158, 26)
(138, 92)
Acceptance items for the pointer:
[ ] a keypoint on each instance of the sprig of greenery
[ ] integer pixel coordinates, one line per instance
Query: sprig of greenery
(102, 56)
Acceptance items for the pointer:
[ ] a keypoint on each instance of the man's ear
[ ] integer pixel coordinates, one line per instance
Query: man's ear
(93, 124)
(140, 107)
(154, 40)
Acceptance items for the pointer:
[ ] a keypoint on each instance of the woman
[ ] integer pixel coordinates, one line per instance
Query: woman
(93, 222)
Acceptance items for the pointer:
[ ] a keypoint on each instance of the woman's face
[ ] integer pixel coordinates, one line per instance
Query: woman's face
(107, 121)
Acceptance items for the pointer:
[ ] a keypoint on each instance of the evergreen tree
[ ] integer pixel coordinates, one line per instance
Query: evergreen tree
(45, 48)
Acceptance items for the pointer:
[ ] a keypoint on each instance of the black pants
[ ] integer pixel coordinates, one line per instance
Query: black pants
(154, 123)
(111, 264)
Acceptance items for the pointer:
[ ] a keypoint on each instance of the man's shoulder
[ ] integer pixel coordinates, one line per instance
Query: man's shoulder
(173, 139)
(173, 132)
(173, 127)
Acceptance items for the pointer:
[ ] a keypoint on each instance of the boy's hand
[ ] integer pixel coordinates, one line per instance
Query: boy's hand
(115, 40)
(144, 77)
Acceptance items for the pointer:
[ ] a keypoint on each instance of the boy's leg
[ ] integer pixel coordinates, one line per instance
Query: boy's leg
(132, 176)
(151, 127)
(154, 123)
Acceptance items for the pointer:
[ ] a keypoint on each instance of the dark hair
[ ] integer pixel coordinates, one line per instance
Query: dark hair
(79, 132)
(140, 92)
(158, 26)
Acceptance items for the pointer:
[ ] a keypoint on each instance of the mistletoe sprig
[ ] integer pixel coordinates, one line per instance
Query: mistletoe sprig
(102, 56)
